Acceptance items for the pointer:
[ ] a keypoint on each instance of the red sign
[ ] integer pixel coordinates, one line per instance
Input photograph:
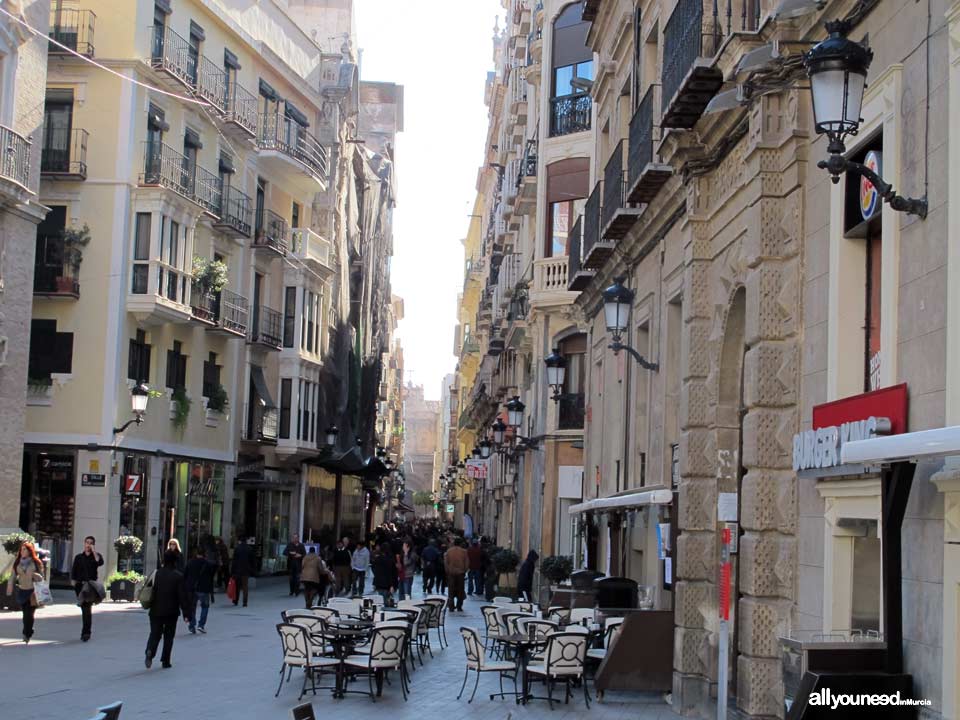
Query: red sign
(133, 485)
(888, 403)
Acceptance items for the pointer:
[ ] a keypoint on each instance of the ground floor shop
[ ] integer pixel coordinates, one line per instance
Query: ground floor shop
(265, 509)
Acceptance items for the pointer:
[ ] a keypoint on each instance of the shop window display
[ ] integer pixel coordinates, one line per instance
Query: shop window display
(47, 507)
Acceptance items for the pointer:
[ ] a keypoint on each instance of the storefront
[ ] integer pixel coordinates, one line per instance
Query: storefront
(320, 506)
(47, 504)
(263, 502)
(191, 503)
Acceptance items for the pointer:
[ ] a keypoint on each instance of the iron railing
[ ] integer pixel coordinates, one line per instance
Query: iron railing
(73, 29)
(682, 45)
(278, 132)
(641, 137)
(207, 190)
(56, 279)
(570, 114)
(572, 411)
(15, 160)
(64, 151)
(211, 83)
(241, 107)
(614, 185)
(164, 166)
(574, 249)
(267, 327)
(591, 221)
(233, 313)
(236, 211)
(203, 304)
(173, 53)
(270, 231)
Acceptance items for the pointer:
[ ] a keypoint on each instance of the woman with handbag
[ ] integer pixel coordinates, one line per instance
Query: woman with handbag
(27, 570)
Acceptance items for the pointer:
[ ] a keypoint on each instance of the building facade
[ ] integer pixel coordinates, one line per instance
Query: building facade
(209, 210)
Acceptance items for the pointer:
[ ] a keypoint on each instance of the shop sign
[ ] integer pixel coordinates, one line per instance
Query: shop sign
(869, 197)
(250, 466)
(53, 463)
(861, 417)
(204, 487)
(477, 469)
(133, 484)
(451, 508)
(93, 480)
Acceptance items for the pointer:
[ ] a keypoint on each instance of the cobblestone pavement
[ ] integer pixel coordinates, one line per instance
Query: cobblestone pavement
(232, 671)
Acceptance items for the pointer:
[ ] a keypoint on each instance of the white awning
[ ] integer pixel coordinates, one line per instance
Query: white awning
(637, 499)
(907, 446)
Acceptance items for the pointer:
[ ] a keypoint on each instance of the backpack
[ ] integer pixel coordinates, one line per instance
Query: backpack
(145, 593)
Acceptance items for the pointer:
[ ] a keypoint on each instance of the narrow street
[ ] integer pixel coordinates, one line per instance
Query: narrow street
(232, 671)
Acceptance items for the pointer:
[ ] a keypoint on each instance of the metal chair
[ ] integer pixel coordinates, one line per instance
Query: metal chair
(493, 630)
(438, 619)
(612, 627)
(423, 628)
(477, 661)
(502, 600)
(298, 653)
(386, 653)
(325, 612)
(563, 660)
(111, 711)
(558, 614)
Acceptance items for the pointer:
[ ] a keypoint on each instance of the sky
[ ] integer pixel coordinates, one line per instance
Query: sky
(442, 66)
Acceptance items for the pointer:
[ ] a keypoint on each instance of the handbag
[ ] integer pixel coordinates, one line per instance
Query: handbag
(145, 592)
(232, 589)
(42, 594)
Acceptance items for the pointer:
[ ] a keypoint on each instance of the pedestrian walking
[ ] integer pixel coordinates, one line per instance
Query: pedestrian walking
(475, 557)
(242, 569)
(168, 602)
(442, 569)
(409, 561)
(384, 573)
(295, 552)
(429, 561)
(85, 568)
(198, 580)
(359, 564)
(314, 576)
(456, 563)
(223, 570)
(525, 576)
(173, 545)
(341, 566)
(27, 570)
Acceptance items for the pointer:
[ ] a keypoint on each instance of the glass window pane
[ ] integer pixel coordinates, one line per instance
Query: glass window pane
(561, 81)
(560, 213)
(141, 243)
(585, 70)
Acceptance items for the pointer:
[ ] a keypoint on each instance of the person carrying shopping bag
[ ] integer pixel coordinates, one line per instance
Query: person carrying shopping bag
(27, 571)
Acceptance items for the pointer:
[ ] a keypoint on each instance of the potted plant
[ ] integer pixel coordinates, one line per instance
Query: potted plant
(180, 408)
(505, 562)
(13, 541)
(74, 241)
(127, 546)
(556, 568)
(218, 400)
(211, 276)
(123, 585)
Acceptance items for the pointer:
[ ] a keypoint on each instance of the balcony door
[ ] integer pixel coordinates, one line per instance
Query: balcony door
(156, 124)
(261, 204)
(257, 292)
(49, 266)
(57, 125)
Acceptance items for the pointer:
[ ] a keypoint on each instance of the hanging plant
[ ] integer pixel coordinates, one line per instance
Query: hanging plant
(210, 275)
(218, 400)
(13, 541)
(74, 241)
(181, 408)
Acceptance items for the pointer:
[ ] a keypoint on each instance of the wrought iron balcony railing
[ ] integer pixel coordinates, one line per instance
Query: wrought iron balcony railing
(267, 327)
(270, 231)
(173, 53)
(164, 166)
(60, 279)
(283, 134)
(64, 152)
(236, 211)
(241, 107)
(233, 312)
(211, 83)
(641, 137)
(207, 190)
(15, 158)
(203, 304)
(571, 411)
(72, 28)
(591, 222)
(614, 186)
(570, 114)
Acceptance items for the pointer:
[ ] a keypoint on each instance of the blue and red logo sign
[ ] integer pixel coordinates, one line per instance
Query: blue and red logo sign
(870, 199)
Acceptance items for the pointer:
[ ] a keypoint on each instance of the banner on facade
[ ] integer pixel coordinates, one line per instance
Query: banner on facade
(477, 469)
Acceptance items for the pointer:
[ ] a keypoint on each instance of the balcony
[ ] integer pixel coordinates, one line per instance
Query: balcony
(590, 9)
(270, 233)
(266, 328)
(595, 249)
(518, 96)
(173, 56)
(646, 176)
(307, 246)
(165, 167)
(470, 346)
(207, 191)
(73, 29)
(570, 114)
(56, 281)
(578, 277)
(285, 145)
(223, 313)
(526, 200)
(240, 111)
(15, 159)
(571, 411)
(64, 154)
(160, 293)
(617, 216)
(261, 423)
(690, 79)
(236, 214)
(203, 305)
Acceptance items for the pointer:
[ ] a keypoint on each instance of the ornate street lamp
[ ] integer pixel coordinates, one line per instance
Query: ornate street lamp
(499, 430)
(556, 373)
(485, 447)
(617, 300)
(139, 395)
(331, 434)
(476, 452)
(837, 68)
(515, 410)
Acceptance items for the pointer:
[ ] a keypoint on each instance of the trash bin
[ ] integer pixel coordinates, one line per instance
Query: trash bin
(616, 592)
(583, 579)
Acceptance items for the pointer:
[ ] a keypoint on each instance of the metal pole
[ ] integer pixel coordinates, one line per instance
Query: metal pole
(722, 667)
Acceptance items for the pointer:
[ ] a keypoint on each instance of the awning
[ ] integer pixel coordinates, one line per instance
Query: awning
(637, 499)
(906, 446)
(260, 384)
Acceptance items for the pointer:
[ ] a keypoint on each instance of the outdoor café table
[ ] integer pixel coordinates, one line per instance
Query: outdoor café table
(523, 645)
(343, 636)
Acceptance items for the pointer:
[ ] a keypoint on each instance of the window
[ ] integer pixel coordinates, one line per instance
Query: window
(57, 124)
(48, 263)
(138, 358)
(286, 389)
(141, 253)
(211, 375)
(295, 215)
(568, 184)
(176, 367)
(572, 64)
(874, 245)
(310, 321)
(571, 405)
(191, 146)
(230, 67)
(299, 409)
(50, 351)
(289, 316)
(197, 36)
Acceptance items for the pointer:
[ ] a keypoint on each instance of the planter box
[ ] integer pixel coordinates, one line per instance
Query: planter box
(122, 590)
(212, 418)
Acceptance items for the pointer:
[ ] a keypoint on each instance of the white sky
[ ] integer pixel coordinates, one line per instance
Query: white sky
(442, 62)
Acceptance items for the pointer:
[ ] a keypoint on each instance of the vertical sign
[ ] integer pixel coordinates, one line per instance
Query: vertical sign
(724, 607)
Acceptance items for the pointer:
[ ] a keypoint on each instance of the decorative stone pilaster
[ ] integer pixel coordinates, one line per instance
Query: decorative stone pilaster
(759, 686)
(768, 564)
(769, 501)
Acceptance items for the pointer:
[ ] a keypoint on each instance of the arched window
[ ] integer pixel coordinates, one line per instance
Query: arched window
(572, 65)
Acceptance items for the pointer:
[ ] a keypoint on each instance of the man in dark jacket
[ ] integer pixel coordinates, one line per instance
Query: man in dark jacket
(475, 557)
(456, 562)
(295, 553)
(242, 569)
(341, 567)
(525, 576)
(384, 572)
(198, 580)
(429, 559)
(169, 601)
(85, 568)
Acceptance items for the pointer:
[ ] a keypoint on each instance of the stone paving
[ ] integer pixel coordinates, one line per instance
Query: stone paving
(232, 671)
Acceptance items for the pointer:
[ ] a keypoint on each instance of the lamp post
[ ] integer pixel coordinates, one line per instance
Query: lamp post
(331, 434)
(139, 395)
(485, 447)
(499, 430)
(837, 68)
(556, 373)
(617, 300)
(515, 408)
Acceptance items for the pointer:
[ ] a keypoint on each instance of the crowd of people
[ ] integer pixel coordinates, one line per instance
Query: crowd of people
(393, 554)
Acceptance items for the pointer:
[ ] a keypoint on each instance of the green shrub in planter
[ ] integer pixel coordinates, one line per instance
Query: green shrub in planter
(556, 568)
(13, 541)
(123, 585)
(505, 561)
